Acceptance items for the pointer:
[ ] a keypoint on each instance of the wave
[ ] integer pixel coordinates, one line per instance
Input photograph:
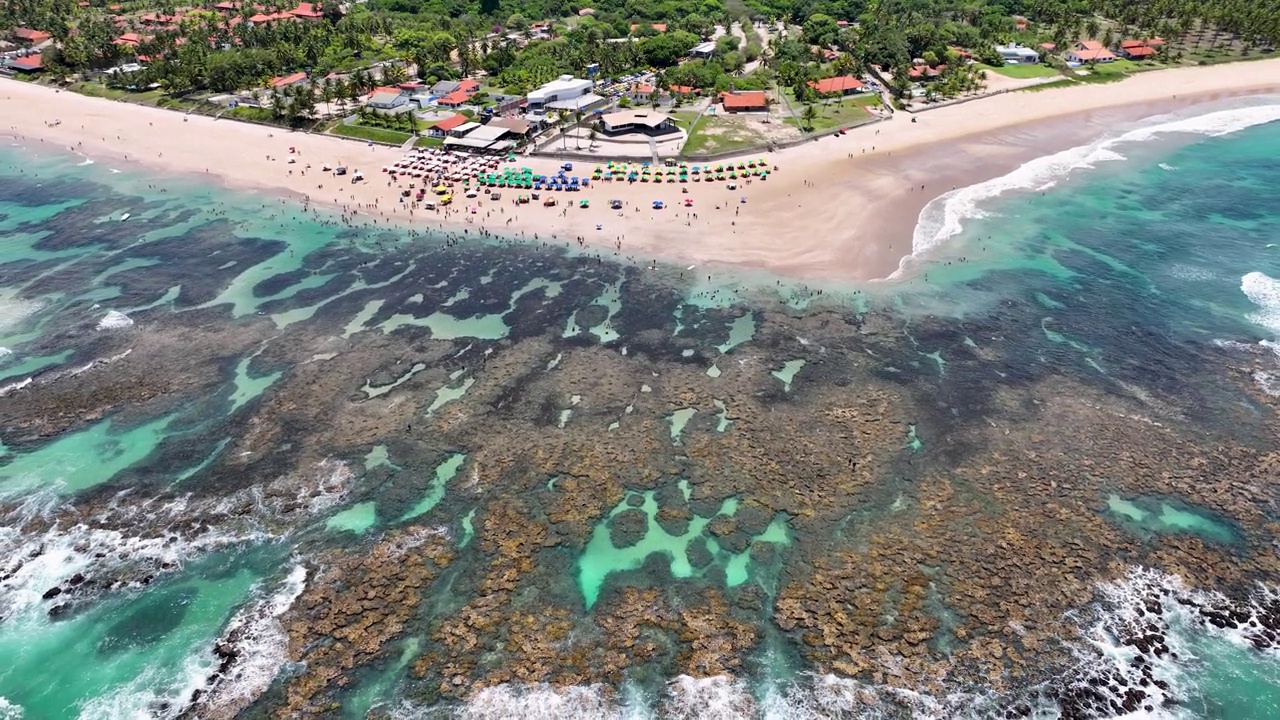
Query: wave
(1263, 291)
(945, 216)
(86, 161)
(114, 319)
(250, 653)
(8, 710)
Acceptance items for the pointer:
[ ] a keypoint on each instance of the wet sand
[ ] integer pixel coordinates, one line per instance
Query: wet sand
(839, 209)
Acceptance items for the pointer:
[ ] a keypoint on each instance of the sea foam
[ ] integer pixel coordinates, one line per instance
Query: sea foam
(944, 217)
(114, 319)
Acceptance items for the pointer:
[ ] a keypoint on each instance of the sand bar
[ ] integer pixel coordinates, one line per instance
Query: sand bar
(838, 209)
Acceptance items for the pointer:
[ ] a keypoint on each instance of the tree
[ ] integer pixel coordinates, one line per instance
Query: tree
(809, 115)
(821, 30)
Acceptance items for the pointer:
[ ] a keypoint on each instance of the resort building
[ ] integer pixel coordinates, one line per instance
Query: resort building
(287, 80)
(388, 99)
(480, 138)
(1015, 53)
(745, 101)
(640, 93)
(1090, 51)
(636, 121)
(518, 128)
(842, 85)
(28, 64)
(564, 93)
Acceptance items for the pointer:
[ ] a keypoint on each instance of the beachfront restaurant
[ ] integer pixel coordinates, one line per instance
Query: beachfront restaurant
(481, 138)
(646, 122)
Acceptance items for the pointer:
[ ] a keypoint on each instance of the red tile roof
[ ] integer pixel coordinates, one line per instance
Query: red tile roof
(30, 35)
(841, 84)
(745, 99)
(643, 89)
(683, 89)
(1140, 51)
(287, 80)
(468, 85)
(30, 62)
(128, 39)
(453, 99)
(1132, 43)
(1048, 46)
(451, 122)
(307, 10)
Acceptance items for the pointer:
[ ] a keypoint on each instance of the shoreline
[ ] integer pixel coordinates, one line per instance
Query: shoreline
(840, 209)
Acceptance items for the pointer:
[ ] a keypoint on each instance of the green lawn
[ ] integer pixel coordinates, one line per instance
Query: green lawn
(244, 112)
(719, 134)
(370, 133)
(1021, 72)
(429, 142)
(849, 111)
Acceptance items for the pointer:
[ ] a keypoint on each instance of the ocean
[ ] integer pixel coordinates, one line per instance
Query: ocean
(262, 460)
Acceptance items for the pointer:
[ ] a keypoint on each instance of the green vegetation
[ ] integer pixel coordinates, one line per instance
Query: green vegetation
(716, 134)
(829, 115)
(364, 132)
(1022, 71)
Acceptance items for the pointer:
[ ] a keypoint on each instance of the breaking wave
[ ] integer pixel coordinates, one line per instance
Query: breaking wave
(114, 319)
(945, 216)
(250, 652)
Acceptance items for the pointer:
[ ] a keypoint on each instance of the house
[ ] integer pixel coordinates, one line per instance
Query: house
(1089, 51)
(444, 87)
(636, 121)
(1140, 49)
(468, 86)
(131, 39)
(703, 51)
(641, 93)
(388, 99)
(924, 73)
(29, 36)
(518, 127)
(563, 91)
(287, 80)
(457, 98)
(443, 127)
(684, 90)
(842, 23)
(505, 103)
(660, 27)
(1048, 46)
(28, 64)
(307, 11)
(745, 101)
(842, 85)
(829, 55)
(1018, 54)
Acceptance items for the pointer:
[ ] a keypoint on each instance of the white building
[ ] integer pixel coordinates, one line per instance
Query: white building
(704, 50)
(562, 90)
(1018, 54)
(388, 100)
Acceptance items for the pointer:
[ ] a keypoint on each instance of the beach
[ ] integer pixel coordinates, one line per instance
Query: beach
(841, 208)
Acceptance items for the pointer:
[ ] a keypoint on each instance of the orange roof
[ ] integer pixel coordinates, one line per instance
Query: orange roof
(1140, 51)
(307, 10)
(1132, 43)
(128, 39)
(683, 89)
(1089, 45)
(642, 89)
(1048, 46)
(451, 122)
(30, 35)
(468, 85)
(918, 71)
(30, 62)
(287, 80)
(840, 84)
(1099, 53)
(457, 97)
(744, 99)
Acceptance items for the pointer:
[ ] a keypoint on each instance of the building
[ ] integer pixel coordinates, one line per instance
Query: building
(28, 64)
(388, 99)
(924, 73)
(842, 85)
(636, 121)
(1090, 51)
(564, 89)
(29, 36)
(480, 138)
(505, 104)
(130, 39)
(1140, 49)
(519, 128)
(443, 127)
(704, 50)
(287, 80)
(684, 90)
(444, 87)
(308, 11)
(1015, 53)
(745, 101)
(640, 93)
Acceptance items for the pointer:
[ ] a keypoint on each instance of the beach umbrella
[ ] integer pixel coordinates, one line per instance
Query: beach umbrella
(657, 205)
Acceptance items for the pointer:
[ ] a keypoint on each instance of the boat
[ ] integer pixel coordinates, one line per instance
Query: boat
(124, 217)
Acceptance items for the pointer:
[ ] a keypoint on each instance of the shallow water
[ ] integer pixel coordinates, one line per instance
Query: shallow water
(391, 362)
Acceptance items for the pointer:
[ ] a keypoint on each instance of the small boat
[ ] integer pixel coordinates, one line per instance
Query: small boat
(124, 217)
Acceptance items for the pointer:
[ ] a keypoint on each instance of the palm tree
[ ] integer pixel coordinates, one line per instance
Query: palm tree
(809, 115)
(326, 94)
(577, 123)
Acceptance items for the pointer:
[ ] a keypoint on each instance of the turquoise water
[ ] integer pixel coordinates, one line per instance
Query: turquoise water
(1145, 277)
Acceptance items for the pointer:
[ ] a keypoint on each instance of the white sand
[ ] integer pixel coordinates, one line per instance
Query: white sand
(824, 215)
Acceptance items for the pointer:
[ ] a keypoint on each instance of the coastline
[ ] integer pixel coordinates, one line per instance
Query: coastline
(840, 209)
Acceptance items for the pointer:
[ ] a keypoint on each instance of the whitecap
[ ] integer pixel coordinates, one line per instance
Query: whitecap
(260, 642)
(1263, 291)
(9, 710)
(5, 352)
(945, 216)
(114, 319)
(87, 161)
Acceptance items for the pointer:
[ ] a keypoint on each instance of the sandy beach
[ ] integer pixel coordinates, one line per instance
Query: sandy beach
(838, 209)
